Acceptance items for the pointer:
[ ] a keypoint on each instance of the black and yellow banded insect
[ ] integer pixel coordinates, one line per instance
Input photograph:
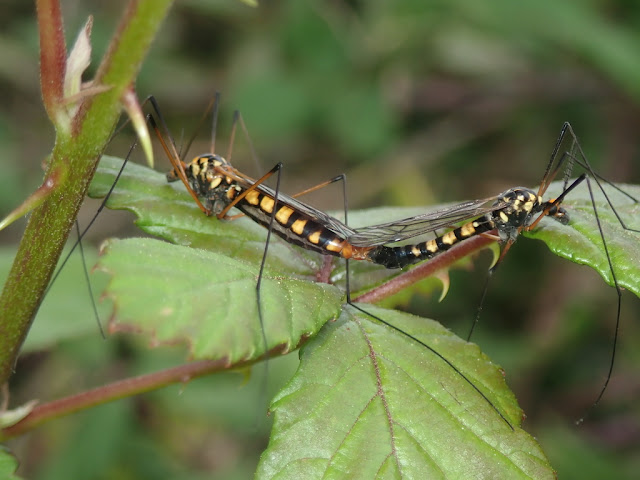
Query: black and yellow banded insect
(216, 186)
(503, 218)
(508, 214)
(222, 187)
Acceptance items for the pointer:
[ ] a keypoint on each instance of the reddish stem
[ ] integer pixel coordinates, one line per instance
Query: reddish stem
(53, 55)
(426, 269)
(114, 391)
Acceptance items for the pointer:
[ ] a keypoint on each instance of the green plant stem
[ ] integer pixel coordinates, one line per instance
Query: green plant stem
(113, 391)
(72, 164)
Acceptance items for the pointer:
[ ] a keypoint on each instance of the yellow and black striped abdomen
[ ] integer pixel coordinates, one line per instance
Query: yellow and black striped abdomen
(292, 225)
(399, 257)
(211, 179)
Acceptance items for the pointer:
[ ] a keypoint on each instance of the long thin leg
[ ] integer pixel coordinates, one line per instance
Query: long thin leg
(237, 119)
(78, 241)
(437, 354)
(337, 178)
(88, 280)
(505, 248)
(178, 165)
(617, 324)
(584, 163)
(393, 327)
(551, 170)
(576, 155)
(264, 255)
(276, 168)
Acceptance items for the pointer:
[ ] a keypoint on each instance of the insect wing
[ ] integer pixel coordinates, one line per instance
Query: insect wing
(327, 221)
(399, 230)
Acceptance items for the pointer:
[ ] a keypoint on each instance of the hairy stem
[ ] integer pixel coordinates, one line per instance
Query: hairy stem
(72, 162)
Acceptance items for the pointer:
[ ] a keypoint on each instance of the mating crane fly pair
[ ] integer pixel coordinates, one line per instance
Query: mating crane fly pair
(213, 179)
(216, 186)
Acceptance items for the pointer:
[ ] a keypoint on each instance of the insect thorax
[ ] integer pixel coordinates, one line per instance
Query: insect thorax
(207, 178)
(520, 204)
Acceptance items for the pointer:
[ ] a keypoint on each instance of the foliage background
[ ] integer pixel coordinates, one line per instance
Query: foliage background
(419, 102)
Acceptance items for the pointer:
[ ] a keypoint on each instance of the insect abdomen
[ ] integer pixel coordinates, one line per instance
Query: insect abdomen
(399, 257)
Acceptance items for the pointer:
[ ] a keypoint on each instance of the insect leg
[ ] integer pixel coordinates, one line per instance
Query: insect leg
(78, 242)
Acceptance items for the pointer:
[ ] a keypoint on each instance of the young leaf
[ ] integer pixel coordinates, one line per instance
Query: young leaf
(370, 402)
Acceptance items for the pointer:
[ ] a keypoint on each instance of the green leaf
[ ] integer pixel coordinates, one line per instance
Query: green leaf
(370, 402)
(8, 465)
(580, 240)
(207, 300)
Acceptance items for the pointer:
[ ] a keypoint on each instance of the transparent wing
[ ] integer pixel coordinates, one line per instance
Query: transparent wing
(444, 218)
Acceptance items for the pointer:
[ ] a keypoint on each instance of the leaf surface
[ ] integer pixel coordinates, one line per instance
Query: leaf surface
(370, 402)
(580, 241)
(207, 300)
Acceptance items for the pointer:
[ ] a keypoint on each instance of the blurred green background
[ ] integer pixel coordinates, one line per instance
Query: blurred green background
(419, 102)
